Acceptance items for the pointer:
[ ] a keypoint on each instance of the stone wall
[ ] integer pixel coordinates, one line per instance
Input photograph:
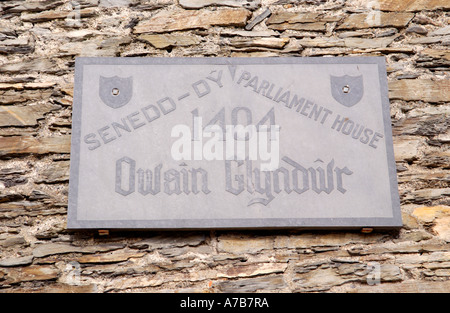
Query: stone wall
(39, 41)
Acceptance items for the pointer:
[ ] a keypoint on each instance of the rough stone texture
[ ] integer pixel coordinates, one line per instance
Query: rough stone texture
(367, 20)
(164, 41)
(185, 20)
(299, 21)
(420, 89)
(24, 115)
(38, 43)
(417, 5)
(54, 15)
(18, 145)
(39, 64)
(197, 4)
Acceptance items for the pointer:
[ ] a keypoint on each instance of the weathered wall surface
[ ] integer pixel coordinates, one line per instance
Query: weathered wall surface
(38, 44)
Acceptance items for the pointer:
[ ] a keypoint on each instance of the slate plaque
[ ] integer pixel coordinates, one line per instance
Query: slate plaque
(210, 143)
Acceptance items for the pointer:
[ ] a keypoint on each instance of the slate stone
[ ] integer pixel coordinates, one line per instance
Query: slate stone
(147, 6)
(47, 249)
(8, 33)
(423, 19)
(274, 43)
(168, 241)
(33, 6)
(28, 66)
(424, 195)
(368, 20)
(10, 241)
(53, 232)
(415, 236)
(253, 284)
(386, 33)
(197, 4)
(163, 41)
(95, 47)
(258, 19)
(18, 145)
(56, 172)
(60, 288)
(356, 33)
(135, 282)
(349, 42)
(79, 34)
(25, 260)
(310, 21)
(109, 258)
(244, 244)
(20, 45)
(30, 273)
(428, 40)
(412, 6)
(185, 20)
(441, 31)
(252, 270)
(404, 287)
(433, 54)
(26, 85)
(366, 43)
(293, 18)
(406, 148)
(308, 240)
(18, 208)
(417, 29)
(254, 52)
(420, 89)
(407, 76)
(322, 280)
(55, 15)
(20, 96)
(423, 123)
(400, 248)
(114, 3)
(38, 195)
(436, 159)
(317, 26)
(11, 177)
(25, 115)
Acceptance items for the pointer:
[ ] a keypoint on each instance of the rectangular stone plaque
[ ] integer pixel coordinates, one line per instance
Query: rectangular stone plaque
(210, 143)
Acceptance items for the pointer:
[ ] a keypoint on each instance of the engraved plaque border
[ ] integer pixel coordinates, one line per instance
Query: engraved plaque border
(204, 224)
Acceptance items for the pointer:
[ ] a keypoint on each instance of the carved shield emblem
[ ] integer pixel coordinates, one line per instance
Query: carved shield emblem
(347, 90)
(115, 91)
